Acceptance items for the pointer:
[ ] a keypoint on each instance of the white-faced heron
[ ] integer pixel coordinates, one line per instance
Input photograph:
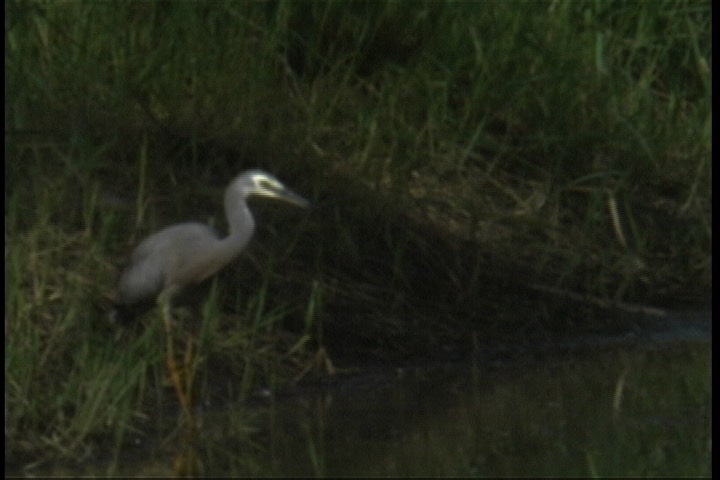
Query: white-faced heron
(188, 253)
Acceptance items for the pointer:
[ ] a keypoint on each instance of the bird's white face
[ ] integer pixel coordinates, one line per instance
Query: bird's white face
(267, 186)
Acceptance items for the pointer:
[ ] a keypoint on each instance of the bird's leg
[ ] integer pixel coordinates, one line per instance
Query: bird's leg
(164, 301)
(182, 389)
(186, 462)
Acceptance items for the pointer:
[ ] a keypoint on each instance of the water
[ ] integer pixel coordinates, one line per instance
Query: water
(603, 405)
(635, 402)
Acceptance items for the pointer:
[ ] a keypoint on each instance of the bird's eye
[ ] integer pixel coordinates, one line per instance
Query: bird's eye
(266, 184)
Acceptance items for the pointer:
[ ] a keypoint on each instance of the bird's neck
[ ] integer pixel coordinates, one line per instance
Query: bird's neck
(241, 224)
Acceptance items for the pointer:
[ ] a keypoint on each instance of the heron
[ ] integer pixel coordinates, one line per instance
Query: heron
(186, 254)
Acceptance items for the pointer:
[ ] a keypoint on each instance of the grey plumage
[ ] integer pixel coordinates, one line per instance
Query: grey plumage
(188, 253)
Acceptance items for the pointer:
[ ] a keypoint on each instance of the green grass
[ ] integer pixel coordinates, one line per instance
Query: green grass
(456, 153)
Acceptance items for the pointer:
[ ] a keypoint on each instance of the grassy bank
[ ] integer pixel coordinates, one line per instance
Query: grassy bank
(459, 155)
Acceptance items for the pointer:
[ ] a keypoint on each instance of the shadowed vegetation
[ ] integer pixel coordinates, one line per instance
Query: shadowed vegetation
(470, 165)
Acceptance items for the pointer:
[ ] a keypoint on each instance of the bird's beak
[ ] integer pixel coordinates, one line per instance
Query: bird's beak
(292, 197)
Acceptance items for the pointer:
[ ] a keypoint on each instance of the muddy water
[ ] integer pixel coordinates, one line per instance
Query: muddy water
(633, 403)
(637, 402)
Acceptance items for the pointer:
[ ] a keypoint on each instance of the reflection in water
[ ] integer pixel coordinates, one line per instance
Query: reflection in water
(630, 404)
(557, 418)
(634, 404)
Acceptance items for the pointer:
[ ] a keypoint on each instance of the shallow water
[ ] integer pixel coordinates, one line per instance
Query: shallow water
(624, 404)
(636, 402)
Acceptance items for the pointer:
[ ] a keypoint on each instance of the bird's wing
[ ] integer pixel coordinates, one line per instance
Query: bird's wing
(151, 261)
(173, 239)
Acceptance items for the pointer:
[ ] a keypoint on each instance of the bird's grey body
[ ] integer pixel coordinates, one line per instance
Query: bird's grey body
(188, 253)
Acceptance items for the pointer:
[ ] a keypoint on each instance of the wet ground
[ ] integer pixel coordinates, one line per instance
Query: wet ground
(635, 402)
(628, 403)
